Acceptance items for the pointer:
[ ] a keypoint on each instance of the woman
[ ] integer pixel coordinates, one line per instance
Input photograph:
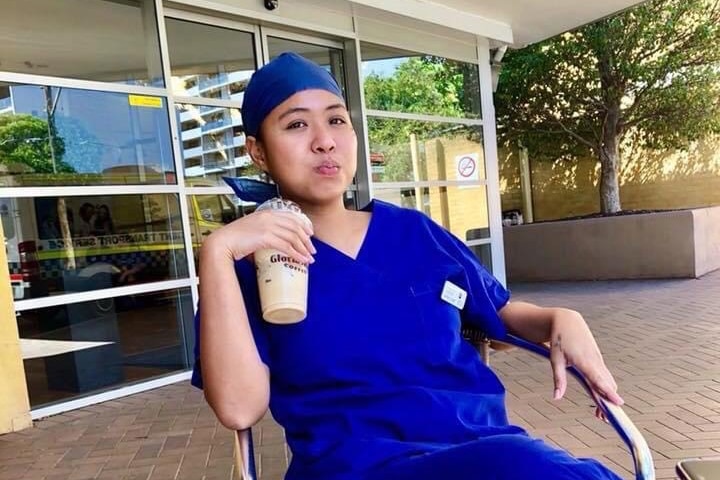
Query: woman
(375, 382)
(103, 224)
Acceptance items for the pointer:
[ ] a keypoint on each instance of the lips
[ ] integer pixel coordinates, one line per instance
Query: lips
(328, 168)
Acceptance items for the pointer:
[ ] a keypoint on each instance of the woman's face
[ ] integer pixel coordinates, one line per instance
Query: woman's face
(308, 147)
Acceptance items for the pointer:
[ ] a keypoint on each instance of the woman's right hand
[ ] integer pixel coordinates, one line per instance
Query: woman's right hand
(286, 232)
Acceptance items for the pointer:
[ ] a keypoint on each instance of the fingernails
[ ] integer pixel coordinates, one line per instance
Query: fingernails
(556, 394)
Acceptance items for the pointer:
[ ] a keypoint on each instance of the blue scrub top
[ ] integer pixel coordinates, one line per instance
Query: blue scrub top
(378, 371)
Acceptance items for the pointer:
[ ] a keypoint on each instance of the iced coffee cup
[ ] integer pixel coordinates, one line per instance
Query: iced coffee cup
(282, 281)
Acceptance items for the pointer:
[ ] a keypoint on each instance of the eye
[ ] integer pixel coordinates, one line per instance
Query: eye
(296, 124)
(338, 121)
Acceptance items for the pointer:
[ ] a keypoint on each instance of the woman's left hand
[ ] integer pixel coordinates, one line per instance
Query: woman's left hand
(572, 344)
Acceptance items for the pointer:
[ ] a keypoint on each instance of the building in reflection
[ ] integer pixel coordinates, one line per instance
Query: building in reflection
(213, 139)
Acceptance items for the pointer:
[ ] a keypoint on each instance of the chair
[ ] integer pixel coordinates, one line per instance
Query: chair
(631, 436)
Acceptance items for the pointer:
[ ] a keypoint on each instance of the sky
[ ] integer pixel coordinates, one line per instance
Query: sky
(384, 68)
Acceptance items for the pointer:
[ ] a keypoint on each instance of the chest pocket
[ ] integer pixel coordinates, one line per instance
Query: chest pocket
(439, 320)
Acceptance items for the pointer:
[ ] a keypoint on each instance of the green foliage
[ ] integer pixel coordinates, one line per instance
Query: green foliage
(424, 85)
(653, 71)
(419, 85)
(24, 145)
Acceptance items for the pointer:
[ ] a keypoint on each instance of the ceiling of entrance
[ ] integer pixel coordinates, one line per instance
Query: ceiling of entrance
(530, 20)
(112, 32)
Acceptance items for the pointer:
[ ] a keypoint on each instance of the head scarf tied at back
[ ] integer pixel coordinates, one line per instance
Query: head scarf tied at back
(270, 86)
(279, 80)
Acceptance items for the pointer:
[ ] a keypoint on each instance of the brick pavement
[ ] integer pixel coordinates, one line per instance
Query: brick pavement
(660, 338)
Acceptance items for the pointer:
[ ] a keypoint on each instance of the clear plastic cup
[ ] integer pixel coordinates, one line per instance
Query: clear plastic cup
(282, 281)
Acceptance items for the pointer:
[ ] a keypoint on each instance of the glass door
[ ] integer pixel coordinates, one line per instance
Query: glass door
(326, 53)
(329, 54)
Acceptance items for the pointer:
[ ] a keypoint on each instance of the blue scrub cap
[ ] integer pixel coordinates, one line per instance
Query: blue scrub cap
(277, 81)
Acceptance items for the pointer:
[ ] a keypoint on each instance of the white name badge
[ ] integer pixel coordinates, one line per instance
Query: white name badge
(454, 295)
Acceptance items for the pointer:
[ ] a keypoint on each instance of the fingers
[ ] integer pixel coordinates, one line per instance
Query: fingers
(294, 235)
(601, 415)
(559, 365)
(604, 384)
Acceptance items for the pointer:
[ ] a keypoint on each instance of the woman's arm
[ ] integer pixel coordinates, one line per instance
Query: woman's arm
(235, 380)
(571, 344)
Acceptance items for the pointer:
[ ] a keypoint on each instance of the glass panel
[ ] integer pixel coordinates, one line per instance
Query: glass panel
(329, 58)
(401, 81)
(202, 65)
(410, 150)
(484, 254)
(74, 244)
(462, 210)
(67, 136)
(103, 40)
(211, 212)
(213, 145)
(82, 348)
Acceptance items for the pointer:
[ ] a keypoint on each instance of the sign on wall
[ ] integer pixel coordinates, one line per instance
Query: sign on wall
(467, 167)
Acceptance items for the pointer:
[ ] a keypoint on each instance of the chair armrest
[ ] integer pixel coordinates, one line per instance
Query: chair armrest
(642, 456)
(244, 457)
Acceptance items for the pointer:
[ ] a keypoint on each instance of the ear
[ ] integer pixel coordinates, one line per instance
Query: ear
(257, 153)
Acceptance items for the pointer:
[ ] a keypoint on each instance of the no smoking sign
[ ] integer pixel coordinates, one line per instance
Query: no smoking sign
(466, 167)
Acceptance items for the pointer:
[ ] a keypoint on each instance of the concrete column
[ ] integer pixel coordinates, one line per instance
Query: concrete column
(14, 401)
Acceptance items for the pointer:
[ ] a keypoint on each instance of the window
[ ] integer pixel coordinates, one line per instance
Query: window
(84, 347)
(208, 61)
(80, 243)
(68, 136)
(102, 40)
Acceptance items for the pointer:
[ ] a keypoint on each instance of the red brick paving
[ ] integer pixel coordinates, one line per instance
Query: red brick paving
(660, 338)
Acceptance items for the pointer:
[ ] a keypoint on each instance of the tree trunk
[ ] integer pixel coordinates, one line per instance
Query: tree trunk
(609, 185)
(608, 151)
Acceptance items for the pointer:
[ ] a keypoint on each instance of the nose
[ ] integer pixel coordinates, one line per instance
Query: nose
(323, 142)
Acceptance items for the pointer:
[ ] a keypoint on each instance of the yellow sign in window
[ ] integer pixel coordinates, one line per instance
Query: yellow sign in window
(145, 101)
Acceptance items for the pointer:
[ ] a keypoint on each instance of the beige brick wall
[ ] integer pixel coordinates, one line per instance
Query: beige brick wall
(648, 181)
(459, 209)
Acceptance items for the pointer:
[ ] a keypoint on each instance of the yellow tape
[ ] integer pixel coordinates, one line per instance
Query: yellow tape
(95, 251)
(145, 101)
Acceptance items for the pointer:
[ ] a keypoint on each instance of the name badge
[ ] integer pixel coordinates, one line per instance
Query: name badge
(454, 295)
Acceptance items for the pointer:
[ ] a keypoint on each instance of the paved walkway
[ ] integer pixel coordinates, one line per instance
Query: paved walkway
(661, 339)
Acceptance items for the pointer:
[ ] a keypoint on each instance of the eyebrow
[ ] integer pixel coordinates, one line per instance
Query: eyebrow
(290, 111)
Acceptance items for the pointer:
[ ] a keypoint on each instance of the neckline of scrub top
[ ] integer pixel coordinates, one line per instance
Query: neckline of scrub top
(359, 258)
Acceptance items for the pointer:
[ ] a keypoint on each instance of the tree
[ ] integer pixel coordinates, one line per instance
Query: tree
(650, 74)
(426, 85)
(24, 144)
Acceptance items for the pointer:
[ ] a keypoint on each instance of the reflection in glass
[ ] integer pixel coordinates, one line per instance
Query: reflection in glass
(102, 40)
(327, 57)
(412, 150)
(401, 81)
(484, 254)
(58, 243)
(67, 136)
(209, 62)
(213, 144)
(81, 348)
(461, 209)
(211, 212)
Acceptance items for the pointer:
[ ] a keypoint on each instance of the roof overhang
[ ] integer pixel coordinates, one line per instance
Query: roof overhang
(517, 23)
